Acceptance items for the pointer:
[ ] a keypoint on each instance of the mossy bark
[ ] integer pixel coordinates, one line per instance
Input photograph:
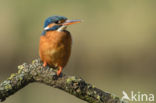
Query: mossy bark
(35, 72)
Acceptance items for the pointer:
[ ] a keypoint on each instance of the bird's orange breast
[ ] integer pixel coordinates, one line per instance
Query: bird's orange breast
(55, 48)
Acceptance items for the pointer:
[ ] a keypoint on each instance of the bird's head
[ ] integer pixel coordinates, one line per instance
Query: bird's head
(57, 23)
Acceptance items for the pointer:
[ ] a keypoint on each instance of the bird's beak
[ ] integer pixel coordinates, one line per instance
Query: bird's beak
(69, 22)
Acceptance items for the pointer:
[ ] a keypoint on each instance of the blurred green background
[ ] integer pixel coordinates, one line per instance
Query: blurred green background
(113, 48)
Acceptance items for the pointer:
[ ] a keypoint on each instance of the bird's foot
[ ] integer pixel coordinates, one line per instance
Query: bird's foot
(45, 64)
(59, 71)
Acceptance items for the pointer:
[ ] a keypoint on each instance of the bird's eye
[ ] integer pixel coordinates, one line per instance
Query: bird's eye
(59, 21)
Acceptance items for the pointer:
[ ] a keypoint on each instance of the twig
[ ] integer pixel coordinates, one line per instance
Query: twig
(35, 72)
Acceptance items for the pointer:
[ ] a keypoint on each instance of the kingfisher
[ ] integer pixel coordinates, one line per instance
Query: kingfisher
(55, 42)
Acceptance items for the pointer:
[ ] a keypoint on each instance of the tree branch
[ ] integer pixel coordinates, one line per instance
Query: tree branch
(35, 72)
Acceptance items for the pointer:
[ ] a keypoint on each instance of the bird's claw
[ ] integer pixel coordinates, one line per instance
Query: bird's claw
(59, 71)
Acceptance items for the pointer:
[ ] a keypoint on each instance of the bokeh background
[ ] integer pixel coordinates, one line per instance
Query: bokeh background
(114, 47)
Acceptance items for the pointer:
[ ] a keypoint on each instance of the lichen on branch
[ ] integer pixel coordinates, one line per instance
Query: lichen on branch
(35, 72)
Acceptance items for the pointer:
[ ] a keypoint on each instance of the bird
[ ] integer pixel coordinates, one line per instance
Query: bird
(55, 42)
